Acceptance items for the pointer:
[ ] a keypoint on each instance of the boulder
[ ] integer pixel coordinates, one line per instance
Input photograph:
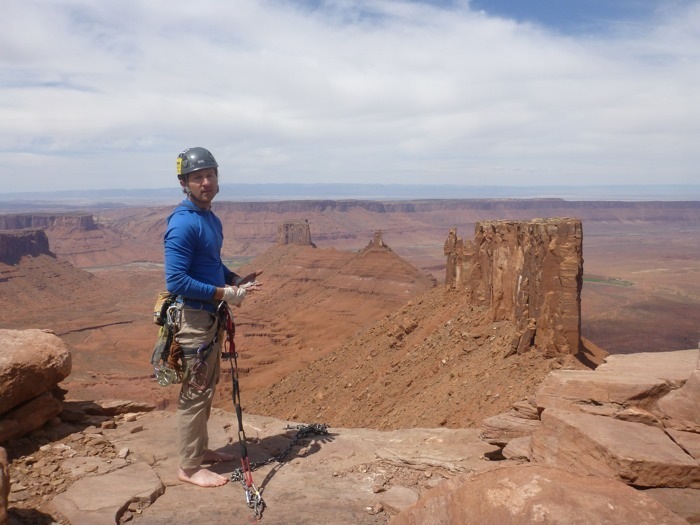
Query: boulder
(623, 381)
(31, 362)
(519, 422)
(526, 494)
(681, 405)
(29, 416)
(525, 409)
(502, 428)
(518, 448)
(597, 391)
(637, 454)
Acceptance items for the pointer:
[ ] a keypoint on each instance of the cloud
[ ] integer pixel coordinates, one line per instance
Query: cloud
(105, 94)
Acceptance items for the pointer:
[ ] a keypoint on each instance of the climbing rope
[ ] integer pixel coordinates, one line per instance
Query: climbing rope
(244, 474)
(253, 496)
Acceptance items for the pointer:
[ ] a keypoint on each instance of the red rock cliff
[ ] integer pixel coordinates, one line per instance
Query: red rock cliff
(15, 245)
(78, 221)
(527, 272)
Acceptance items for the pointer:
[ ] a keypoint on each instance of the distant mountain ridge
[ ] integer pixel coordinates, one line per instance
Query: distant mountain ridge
(109, 198)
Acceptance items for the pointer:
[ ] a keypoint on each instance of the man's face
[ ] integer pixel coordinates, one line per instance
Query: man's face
(203, 185)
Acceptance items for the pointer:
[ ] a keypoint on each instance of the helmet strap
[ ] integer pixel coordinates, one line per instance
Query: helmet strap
(185, 186)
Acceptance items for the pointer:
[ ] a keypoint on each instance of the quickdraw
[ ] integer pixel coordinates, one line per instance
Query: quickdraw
(244, 474)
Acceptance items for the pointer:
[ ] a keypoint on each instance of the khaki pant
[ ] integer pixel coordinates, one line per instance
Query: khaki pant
(197, 327)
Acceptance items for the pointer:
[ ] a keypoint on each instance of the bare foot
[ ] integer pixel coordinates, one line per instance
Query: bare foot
(212, 456)
(201, 477)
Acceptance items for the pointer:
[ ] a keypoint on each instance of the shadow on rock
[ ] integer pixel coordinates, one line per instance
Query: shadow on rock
(29, 517)
(282, 448)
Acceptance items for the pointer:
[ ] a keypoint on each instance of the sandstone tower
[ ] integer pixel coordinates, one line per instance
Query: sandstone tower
(527, 272)
(295, 232)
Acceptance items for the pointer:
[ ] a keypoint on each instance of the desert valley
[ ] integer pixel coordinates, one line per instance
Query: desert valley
(355, 326)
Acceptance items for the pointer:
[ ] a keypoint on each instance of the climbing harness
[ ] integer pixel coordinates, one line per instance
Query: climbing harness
(244, 474)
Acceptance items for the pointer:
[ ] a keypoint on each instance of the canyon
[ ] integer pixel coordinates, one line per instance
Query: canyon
(361, 277)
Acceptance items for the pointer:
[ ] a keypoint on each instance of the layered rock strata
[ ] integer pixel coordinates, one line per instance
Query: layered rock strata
(82, 222)
(294, 232)
(527, 272)
(636, 419)
(15, 245)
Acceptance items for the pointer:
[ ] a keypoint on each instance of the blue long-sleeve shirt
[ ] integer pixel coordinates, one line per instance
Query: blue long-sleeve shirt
(193, 265)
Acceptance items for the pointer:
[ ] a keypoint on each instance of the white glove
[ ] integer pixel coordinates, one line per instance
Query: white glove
(234, 296)
(250, 284)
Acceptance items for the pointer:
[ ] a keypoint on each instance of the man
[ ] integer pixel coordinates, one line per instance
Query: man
(195, 272)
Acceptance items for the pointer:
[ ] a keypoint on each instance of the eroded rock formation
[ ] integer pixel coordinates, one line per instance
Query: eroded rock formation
(294, 232)
(17, 244)
(636, 418)
(528, 272)
(377, 241)
(32, 363)
(81, 222)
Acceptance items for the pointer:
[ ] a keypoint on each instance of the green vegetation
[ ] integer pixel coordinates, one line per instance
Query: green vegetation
(613, 281)
(237, 261)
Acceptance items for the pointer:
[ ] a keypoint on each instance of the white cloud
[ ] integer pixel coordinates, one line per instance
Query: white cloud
(105, 94)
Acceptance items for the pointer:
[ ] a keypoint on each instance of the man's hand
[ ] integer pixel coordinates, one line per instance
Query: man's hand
(234, 296)
(250, 278)
(251, 286)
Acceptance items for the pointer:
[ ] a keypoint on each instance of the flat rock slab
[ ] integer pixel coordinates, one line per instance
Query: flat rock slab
(675, 366)
(637, 454)
(688, 441)
(350, 476)
(622, 380)
(529, 494)
(101, 499)
(86, 466)
(503, 428)
(684, 502)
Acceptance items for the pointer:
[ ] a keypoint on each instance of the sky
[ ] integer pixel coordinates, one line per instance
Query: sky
(105, 94)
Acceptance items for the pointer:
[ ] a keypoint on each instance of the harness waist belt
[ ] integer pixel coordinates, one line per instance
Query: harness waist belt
(200, 305)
